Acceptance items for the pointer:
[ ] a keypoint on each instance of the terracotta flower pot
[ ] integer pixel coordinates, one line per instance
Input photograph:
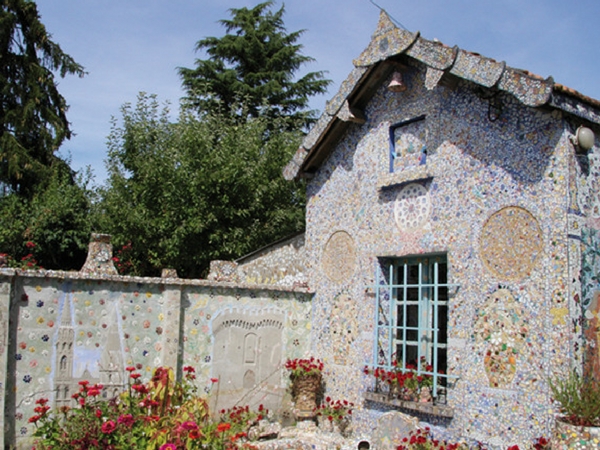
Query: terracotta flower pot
(305, 391)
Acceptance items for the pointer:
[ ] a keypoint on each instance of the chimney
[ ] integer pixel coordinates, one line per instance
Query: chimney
(99, 259)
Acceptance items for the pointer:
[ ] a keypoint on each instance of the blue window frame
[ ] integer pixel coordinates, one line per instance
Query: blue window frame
(408, 143)
(412, 316)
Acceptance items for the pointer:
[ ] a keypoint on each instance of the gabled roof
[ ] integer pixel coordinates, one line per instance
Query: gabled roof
(389, 47)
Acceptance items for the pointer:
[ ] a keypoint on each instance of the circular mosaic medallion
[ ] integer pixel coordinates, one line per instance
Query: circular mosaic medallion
(511, 241)
(339, 257)
(412, 207)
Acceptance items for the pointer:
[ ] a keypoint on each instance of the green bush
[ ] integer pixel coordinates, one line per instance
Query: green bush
(579, 399)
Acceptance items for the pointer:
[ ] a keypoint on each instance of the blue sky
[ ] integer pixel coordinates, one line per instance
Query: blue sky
(128, 46)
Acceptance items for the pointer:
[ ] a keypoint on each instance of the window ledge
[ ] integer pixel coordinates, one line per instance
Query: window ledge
(424, 408)
(407, 175)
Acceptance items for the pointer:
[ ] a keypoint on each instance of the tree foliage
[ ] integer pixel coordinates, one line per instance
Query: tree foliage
(255, 62)
(33, 121)
(53, 225)
(205, 187)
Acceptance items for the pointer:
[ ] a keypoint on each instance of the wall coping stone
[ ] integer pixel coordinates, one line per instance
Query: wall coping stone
(74, 275)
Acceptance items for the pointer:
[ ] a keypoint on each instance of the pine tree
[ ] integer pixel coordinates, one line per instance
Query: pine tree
(254, 64)
(33, 121)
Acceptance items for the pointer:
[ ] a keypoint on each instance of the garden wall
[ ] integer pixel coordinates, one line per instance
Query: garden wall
(59, 328)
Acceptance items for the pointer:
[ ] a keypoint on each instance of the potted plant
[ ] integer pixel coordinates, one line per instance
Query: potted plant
(335, 415)
(579, 403)
(306, 385)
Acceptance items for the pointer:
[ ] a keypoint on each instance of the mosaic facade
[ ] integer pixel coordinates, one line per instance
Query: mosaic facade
(494, 184)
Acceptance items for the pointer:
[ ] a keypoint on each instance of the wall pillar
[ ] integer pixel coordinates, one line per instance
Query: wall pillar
(172, 334)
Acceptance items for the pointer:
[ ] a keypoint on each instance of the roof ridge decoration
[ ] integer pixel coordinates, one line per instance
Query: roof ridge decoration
(388, 40)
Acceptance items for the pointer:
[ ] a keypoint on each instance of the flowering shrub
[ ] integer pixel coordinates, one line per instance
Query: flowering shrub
(304, 367)
(27, 262)
(160, 414)
(335, 411)
(422, 439)
(123, 259)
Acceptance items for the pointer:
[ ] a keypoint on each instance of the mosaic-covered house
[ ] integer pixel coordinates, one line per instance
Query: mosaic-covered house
(452, 221)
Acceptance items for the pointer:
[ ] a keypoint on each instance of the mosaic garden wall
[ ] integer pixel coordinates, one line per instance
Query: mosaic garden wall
(486, 182)
(67, 327)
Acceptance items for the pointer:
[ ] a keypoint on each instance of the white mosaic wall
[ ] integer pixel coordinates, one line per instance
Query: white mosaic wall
(493, 196)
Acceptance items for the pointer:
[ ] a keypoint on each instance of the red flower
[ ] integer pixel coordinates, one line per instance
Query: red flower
(29, 244)
(109, 427)
(194, 434)
(222, 427)
(130, 369)
(93, 392)
(135, 376)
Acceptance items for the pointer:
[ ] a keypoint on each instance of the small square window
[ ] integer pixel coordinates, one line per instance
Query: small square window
(408, 144)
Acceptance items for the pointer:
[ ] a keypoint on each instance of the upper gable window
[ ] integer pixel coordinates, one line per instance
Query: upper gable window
(408, 144)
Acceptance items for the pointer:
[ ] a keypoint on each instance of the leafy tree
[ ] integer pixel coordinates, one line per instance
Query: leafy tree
(255, 62)
(53, 225)
(206, 187)
(33, 121)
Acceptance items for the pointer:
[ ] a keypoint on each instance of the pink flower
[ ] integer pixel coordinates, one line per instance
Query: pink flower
(168, 446)
(109, 427)
(126, 419)
(189, 425)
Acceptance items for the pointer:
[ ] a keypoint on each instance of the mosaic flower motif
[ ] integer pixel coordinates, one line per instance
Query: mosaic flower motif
(27, 378)
(39, 303)
(502, 325)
